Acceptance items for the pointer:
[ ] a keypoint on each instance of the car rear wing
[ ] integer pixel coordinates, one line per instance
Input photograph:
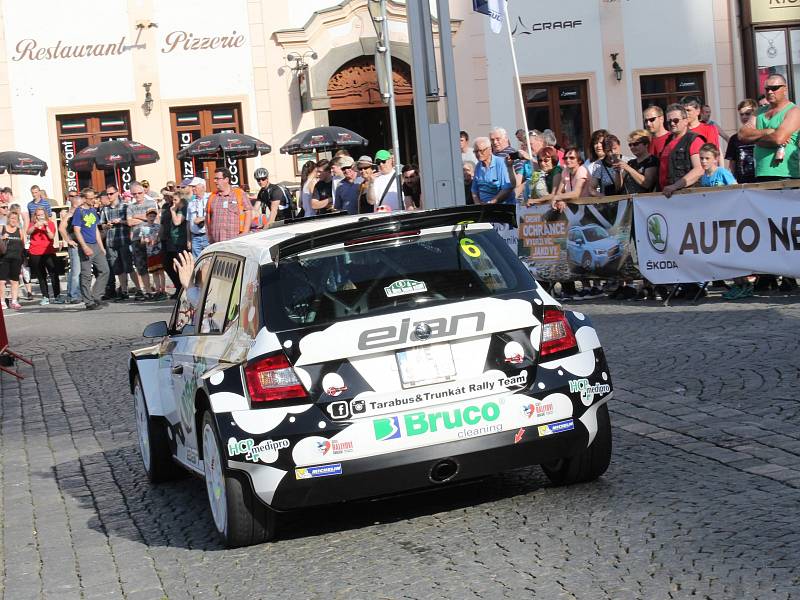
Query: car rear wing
(394, 222)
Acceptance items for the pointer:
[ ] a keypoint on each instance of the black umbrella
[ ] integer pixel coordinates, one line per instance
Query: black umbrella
(321, 139)
(224, 145)
(19, 163)
(113, 154)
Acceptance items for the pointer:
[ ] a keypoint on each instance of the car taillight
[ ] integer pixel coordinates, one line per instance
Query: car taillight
(273, 378)
(556, 333)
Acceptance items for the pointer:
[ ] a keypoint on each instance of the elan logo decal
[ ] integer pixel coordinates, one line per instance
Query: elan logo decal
(392, 335)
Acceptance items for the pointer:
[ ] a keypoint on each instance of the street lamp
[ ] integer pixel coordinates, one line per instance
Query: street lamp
(615, 66)
(147, 105)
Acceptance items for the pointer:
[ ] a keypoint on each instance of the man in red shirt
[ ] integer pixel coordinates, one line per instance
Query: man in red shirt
(694, 108)
(229, 211)
(653, 118)
(679, 164)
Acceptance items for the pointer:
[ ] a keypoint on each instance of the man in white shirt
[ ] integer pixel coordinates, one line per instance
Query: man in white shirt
(383, 190)
(196, 215)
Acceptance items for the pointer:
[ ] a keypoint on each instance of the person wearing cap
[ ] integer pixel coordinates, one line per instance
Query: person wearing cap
(269, 196)
(196, 214)
(346, 195)
(382, 190)
(366, 173)
(147, 191)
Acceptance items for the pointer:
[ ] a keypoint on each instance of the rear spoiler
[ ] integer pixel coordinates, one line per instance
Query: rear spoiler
(392, 222)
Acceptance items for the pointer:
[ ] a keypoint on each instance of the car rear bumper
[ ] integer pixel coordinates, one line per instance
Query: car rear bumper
(410, 470)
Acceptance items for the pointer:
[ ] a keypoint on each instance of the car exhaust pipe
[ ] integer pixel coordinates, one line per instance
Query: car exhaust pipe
(443, 470)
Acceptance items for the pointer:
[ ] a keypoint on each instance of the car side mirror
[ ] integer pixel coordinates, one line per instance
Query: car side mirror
(156, 330)
(579, 242)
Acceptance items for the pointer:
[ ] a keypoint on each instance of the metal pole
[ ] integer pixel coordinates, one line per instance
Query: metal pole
(387, 57)
(518, 85)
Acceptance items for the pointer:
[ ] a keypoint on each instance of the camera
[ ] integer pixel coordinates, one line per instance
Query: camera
(514, 155)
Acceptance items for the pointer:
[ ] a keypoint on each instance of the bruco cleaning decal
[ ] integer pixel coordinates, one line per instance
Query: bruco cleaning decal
(422, 422)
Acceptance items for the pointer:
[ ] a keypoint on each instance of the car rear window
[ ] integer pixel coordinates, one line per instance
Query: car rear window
(330, 284)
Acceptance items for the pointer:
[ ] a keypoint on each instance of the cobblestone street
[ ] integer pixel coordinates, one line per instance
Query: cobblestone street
(701, 499)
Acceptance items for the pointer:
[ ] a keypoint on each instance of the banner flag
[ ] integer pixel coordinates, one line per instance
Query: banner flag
(587, 240)
(495, 9)
(718, 235)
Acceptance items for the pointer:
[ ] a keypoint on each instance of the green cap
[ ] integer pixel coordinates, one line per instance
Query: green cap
(383, 155)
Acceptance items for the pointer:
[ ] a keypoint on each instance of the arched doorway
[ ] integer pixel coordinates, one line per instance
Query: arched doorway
(356, 104)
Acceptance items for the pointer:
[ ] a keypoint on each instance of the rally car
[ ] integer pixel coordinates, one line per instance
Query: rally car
(351, 357)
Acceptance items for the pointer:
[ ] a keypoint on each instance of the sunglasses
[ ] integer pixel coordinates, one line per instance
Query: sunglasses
(261, 178)
(639, 143)
(772, 88)
(675, 121)
(650, 120)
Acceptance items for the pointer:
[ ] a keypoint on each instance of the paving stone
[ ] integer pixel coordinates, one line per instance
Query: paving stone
(700, 499)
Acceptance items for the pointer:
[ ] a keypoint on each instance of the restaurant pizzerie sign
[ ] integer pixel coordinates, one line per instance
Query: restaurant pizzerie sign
(174, 41)
(772, 11)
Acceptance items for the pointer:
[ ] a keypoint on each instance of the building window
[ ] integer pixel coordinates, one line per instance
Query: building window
(76, 132)
(562, 107)
(777, 51)
(663, 90)
(191, 123)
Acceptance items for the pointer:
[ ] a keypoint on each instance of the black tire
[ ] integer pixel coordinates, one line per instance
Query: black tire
(586, 261)
(590, 463)
(244, 520)
(154, 448)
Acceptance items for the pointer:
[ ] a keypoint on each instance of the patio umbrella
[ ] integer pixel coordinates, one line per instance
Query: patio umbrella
(19, 163)
(224, 145)
(321, 139)
(113, 154)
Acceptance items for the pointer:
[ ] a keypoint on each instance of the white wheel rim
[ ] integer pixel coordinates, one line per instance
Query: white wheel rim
(142, 425)
(215, 478)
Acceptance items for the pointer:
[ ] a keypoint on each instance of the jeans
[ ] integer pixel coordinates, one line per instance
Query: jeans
(92, 294)
(74, 275)
(199, 242)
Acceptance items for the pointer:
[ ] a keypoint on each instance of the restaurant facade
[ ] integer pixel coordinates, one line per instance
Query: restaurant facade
(167, 72)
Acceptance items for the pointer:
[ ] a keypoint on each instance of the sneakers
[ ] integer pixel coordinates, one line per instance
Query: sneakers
(160, 296)
(121, 297)
(74, 301)
(60, 300)
(139, 296)
(94, 306)
(44, 301)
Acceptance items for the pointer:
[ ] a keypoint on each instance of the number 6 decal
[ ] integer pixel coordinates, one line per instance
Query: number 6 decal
(470, 248)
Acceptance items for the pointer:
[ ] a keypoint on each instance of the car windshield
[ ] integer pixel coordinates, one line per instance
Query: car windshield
(322, 286)
(594, 234)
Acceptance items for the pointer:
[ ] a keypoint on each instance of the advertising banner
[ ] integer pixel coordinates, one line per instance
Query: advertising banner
(591, 240)
(718, 235)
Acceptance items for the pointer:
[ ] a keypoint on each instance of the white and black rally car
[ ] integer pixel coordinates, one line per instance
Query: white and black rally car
(351, 357)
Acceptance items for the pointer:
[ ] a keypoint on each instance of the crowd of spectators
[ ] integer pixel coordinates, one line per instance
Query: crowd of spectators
(677, 148)
(123, 246)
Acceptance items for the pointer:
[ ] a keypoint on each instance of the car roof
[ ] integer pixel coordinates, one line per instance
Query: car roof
(293, 236)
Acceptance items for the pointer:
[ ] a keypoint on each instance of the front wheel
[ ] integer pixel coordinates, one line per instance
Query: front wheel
(239, 517)
(154, 446)
(591, 462)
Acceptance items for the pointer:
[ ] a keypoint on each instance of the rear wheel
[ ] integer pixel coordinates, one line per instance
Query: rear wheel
(586, 261)
(239, 517)
(592, 461)
(154, 446)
